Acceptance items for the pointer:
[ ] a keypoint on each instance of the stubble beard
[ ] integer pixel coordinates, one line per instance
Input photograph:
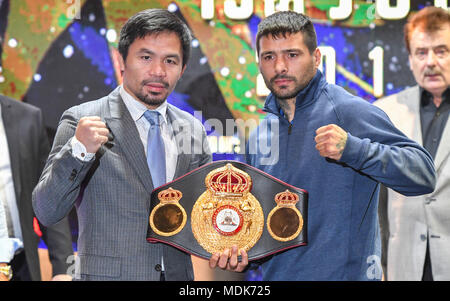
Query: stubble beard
(298, 85)
(152, 98)
(282, 93)
(149, 100)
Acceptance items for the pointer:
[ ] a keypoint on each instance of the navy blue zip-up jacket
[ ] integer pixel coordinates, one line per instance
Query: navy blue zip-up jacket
(343, 230)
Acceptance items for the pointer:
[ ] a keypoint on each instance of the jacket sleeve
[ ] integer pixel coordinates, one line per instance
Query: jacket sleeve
(59, 185)
(57, 237)
(378, 149)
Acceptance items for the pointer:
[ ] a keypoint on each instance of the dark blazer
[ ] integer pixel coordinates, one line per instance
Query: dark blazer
(28, 149)
(112, 193)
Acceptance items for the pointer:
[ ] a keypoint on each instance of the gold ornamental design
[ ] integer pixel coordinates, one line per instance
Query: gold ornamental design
(285, 222)
(227, 213)
(168, 217)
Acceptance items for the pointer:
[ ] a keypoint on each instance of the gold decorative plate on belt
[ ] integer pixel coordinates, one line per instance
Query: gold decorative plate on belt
(227, 214)
(168, 217)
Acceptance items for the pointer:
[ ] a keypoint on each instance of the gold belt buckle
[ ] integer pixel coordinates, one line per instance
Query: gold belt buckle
(227, 213)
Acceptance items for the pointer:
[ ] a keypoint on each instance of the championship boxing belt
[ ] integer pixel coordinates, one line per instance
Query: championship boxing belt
(227, 203)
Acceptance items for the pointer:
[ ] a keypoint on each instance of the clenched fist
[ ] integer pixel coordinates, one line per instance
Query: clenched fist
(330, 141)
(92, 132)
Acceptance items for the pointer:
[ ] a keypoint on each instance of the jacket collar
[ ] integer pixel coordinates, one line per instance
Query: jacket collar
(304, 98)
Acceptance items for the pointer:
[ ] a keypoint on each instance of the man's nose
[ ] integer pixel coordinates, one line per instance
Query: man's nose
(157, 69)
(431, 58)
(280, 65)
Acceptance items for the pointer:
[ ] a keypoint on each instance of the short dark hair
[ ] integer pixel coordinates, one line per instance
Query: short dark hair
(430, 19)
(154, 21)
(284, 22)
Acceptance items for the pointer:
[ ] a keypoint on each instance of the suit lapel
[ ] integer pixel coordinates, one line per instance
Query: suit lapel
(415, 129)
(411, 123)
(125, 134)
(12, 129)
(182, 134)
(443, 150)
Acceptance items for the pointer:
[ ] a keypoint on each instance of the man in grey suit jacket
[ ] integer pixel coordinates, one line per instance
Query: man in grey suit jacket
(98, 162)
(417, 229)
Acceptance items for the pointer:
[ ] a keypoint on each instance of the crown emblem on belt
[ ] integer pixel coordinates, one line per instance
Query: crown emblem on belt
(228, 181)
(286, 198)
(169, 195)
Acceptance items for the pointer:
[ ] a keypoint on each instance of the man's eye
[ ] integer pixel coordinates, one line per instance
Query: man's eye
(268, 57)
(145, 57)
(441, 52)
(421, 54)
(292, 54)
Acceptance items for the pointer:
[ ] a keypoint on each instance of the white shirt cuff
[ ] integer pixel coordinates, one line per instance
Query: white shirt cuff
(8, 248)
(79, 151)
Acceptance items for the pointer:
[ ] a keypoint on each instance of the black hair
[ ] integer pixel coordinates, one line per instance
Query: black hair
(288, 22)
(152, 21)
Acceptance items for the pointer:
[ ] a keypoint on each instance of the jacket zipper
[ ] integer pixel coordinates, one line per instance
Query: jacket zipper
(290, 128)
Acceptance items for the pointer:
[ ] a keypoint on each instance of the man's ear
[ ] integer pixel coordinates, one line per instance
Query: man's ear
(121, 63)
(182, 70)
(317, 57)
(410, 62)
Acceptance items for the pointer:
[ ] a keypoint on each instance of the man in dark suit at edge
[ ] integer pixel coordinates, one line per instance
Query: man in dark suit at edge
(24, 147)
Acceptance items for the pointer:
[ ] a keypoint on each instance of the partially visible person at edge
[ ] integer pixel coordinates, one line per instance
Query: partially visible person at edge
(24, 148)
(416, 230)
(336, 146)
(109, 154)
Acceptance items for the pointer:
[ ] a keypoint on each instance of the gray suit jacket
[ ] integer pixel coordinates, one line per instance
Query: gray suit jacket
(112, 193)
(411, 218)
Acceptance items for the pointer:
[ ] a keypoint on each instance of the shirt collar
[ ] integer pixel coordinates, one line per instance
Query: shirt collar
(426, 98)
(137, 109)
(304, 98)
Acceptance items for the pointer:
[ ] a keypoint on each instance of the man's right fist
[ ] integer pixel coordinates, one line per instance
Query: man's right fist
(92, 132)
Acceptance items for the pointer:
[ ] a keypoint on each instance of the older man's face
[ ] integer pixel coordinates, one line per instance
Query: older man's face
(430, 59)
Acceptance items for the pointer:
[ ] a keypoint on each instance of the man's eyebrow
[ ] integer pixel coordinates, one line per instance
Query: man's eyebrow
(145, 50)
(148, 51)
(292, 50)
(440, 46)
(283, 51)
(433, 47)
(266, 52)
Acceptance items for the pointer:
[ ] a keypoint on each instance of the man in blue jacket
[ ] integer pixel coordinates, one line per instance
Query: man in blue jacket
(338, 147)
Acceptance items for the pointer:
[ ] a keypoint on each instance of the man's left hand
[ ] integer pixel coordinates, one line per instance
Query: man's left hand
(229, 262)
(330, 141)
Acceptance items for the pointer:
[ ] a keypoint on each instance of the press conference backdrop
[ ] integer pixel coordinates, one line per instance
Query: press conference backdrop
(59, 53)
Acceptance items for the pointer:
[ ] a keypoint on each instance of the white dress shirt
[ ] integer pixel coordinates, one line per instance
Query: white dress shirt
(8, 246)
(137, 111)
